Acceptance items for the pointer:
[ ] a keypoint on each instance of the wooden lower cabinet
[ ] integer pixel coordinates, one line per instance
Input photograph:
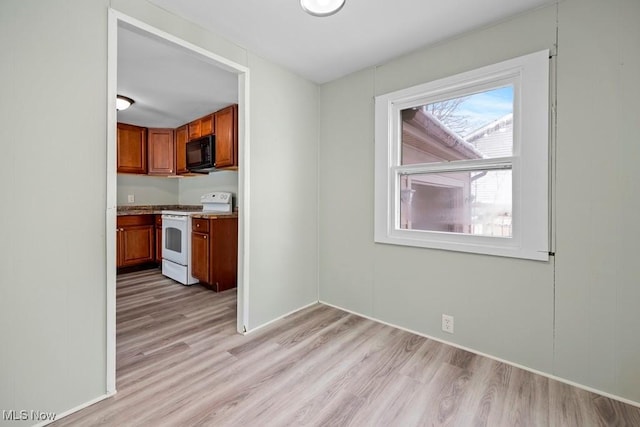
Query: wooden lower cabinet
(135, 240)
(214, 252)
(200, 256)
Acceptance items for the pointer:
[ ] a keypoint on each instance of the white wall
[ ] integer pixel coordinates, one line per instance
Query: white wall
(53, 179)
(518, 310)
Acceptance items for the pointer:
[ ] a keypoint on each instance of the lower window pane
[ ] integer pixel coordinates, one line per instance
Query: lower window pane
(471, 202)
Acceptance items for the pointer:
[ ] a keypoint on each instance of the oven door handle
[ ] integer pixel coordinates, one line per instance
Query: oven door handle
(181, 218)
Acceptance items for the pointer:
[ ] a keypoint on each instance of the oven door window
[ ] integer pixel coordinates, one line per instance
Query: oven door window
(173, 239)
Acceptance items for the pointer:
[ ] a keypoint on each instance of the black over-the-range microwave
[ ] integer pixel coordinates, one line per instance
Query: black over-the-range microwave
(201, 154)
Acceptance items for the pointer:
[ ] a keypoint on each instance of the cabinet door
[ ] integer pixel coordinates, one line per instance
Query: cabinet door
(182, 136)
(224, 253)
(200, 256)
(119, 248)
(194, 130)
(207, 125)
(161, 147)
(226, 124)
(137, 244)
(131, 149)
(158, 228)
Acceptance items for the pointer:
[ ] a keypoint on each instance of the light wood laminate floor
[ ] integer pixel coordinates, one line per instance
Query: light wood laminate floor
(180, 362)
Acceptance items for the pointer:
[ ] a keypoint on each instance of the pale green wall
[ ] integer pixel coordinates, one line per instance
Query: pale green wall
(501, 306)
(563, 324)
(53, 179)
(147, 190)
(598, 273)
(283, 156)
(52, 186)
(190, 189)
(284, 191)
(153, 190)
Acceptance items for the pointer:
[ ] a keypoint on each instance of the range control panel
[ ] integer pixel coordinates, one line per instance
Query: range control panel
(217, 201)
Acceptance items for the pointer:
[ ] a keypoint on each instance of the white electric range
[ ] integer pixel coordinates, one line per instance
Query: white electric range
(176, 236)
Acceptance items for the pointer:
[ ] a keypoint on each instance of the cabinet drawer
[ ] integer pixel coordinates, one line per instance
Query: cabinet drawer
(200, 225)
(132, 220)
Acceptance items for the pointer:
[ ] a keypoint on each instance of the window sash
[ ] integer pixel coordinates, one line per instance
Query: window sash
(529, 75)
(455, 166)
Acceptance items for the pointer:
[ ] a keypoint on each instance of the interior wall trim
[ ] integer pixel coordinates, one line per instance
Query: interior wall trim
(264, 325)
(116, 17)
(76, 409)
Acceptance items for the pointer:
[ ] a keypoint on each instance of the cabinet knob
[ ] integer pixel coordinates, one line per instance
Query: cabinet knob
(205, 237)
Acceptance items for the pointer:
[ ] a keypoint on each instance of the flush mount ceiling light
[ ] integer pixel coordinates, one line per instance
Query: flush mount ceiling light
(321, 7)
(122, 102)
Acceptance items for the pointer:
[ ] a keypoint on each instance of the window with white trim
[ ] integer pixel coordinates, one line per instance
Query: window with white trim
(462, 162)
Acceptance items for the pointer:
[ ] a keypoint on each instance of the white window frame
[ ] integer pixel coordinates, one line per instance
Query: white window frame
(529, 162)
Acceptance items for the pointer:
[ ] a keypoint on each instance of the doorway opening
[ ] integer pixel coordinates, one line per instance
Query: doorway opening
(166, 103)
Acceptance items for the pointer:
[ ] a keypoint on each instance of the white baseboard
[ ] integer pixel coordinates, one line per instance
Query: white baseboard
(544, 374)
(280, 317)
(76, 409)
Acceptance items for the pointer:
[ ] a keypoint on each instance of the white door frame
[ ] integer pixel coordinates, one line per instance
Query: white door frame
(115, 18)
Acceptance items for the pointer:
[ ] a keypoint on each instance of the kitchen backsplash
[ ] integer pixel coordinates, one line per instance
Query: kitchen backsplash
(192, 188)
(147, 190)
(150, 190)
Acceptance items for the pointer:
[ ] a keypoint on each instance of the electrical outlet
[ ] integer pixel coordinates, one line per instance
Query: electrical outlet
(447, 323)
(131, 198)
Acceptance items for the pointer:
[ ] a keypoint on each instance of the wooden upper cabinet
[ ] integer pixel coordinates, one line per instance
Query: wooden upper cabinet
(182, 136)
(164, 151)
(207, 125)
(201, 127)
(194, 130)
(131, 149)
(161, 147)
(226, 125)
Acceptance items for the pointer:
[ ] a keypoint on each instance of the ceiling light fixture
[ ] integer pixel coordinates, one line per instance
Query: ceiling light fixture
(122, 102)
(321, 7)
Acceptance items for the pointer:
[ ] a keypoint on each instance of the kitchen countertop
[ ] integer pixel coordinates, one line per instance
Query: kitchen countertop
(156, 209)
(195, 211)
(213, 215)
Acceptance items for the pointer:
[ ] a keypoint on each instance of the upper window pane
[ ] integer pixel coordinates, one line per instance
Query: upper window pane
(476, 126)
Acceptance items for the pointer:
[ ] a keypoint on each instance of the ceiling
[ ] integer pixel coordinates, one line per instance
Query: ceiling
(364, 33)
(172, 85)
